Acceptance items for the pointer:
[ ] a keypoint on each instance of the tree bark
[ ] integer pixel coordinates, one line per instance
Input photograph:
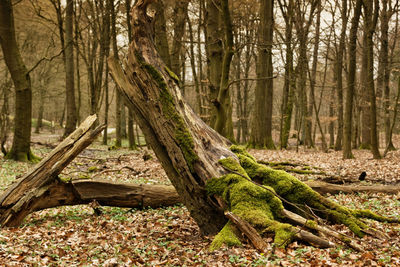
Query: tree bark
(71, 117)
(348, 114)
(289, 87)
(223, 122)
(261, 130)
(20, 149)
(214, 50)
(371, 14)
(339, 73)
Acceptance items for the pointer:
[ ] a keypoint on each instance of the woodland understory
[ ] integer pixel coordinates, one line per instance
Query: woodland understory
(75, 235)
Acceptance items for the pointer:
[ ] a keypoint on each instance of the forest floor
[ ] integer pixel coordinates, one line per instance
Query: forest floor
(75, 236)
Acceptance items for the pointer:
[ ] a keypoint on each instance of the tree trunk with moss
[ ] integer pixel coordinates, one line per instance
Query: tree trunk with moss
(209, 177)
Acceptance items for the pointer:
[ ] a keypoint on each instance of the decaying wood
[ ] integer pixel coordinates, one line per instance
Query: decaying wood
(249, 231)
(325, 188)
(20, 198)
(303, 222)
(187, 148)
(106, 193)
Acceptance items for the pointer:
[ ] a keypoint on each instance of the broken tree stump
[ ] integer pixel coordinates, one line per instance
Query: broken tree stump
(21, 198)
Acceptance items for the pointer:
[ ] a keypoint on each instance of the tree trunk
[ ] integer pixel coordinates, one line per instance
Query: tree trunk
(223, 122)
(71, 118)
(20, 149)
(180, 15)
(214, 49)
(371, 13)
(160, 36)
(261, 130)
(289, 86)
(348, 114)
(339, 77)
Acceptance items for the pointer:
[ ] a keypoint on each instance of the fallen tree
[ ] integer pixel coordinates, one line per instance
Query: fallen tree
(209, 177)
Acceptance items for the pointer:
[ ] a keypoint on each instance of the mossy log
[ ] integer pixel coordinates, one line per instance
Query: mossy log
(209, 177)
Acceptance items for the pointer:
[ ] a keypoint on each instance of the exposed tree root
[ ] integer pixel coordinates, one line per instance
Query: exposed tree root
(264, 205)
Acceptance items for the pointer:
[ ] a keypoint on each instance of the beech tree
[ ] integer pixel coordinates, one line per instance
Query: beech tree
(72, 116)
(261, 131)
(20, 149)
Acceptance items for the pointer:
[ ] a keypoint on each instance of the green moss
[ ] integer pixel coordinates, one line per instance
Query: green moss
(23, 156)
(284, 233)
(84, 176)
(242, 151)
(367, 214)
(65, 179)
(226, 236)
(262, 208)
(257, 205)
(311, 224)
(172, 75)
(182, 134)
(93, 169)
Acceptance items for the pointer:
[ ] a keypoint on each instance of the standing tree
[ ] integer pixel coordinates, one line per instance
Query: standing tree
(371, 11)
(338, 74)
(348, 112)
(20, 149)
(72, 117)
(261, 132)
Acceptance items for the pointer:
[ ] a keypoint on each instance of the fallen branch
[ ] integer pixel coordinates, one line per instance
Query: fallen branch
(106, 193)
(326, 188)
(249, 231)
(20, 198)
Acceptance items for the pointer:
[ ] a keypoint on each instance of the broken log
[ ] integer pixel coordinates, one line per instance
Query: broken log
(326, 188)
(248, 231)
(106, 193)
(21, 197)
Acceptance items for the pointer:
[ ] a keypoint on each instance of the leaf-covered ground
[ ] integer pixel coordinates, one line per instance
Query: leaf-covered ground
(75, 236)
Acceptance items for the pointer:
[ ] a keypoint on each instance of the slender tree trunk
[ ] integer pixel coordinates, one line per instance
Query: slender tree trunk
(160, 33)
(348, 114)
(384, 70)
(20, 149)
(118, 98)
(371, 12)
(223, 123)
(313, 77)
(71, 118)
(179, 19)
(289, 86)
(339, 75)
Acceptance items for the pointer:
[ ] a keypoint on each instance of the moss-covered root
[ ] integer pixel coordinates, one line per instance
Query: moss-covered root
(367, 214)
(284, 233)
(300, 197)
(257, 205)
(226, 236)
(23, 156)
